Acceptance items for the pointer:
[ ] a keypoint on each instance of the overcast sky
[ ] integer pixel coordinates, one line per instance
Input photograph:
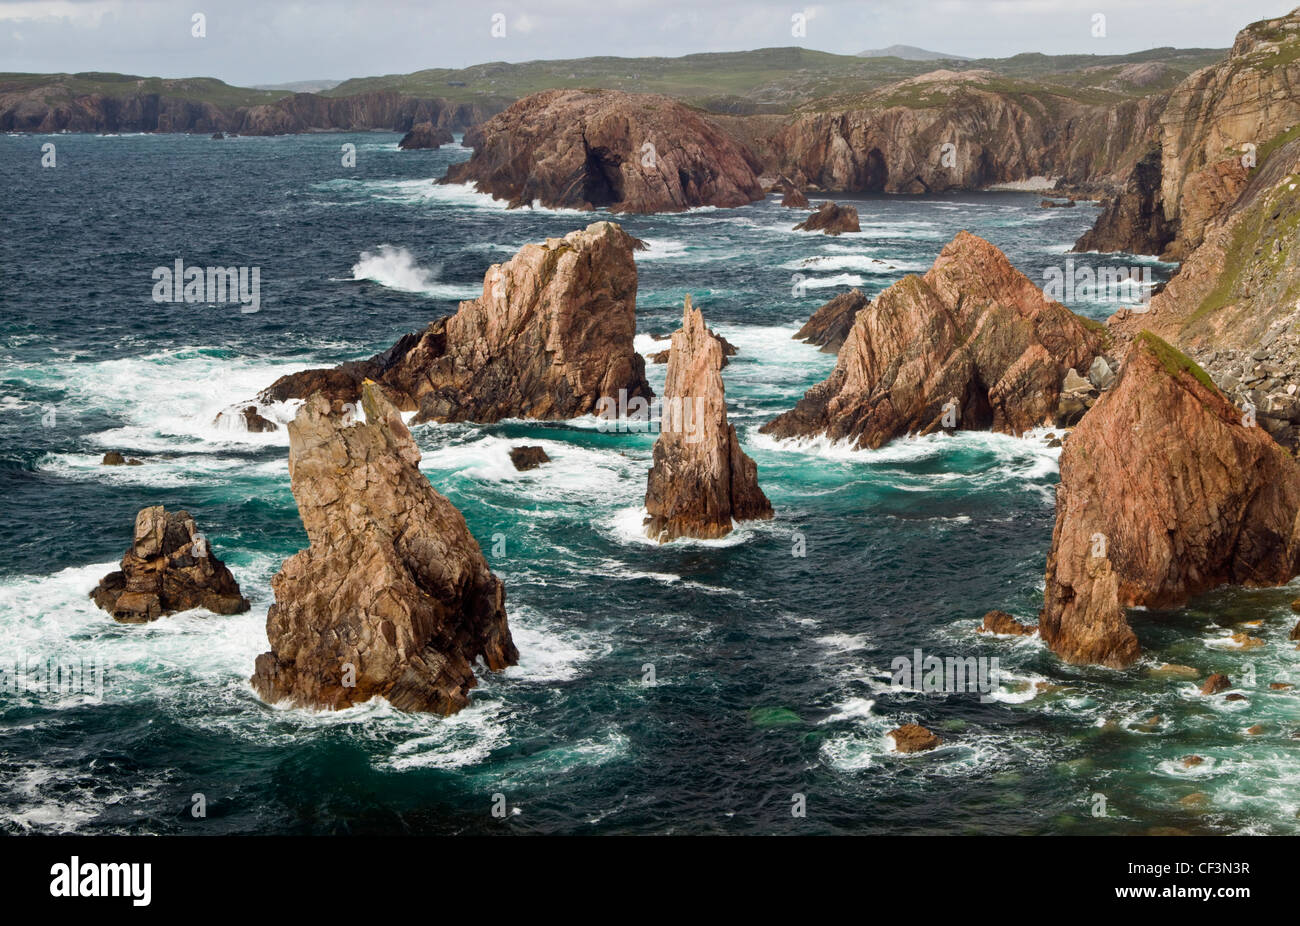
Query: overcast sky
(264, 41)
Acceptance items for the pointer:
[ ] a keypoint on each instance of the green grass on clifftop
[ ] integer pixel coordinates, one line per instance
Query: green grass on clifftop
(1173, 360)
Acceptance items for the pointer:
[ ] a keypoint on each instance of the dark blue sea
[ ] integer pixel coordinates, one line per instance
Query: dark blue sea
(772, 670)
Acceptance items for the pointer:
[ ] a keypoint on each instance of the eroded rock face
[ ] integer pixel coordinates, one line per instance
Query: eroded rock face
(628, 152)
(967, 136)
(169, 568)
(830, 325)
(972, 344)
(1248, 100)
(831, 219)
(426, 135)
(1164, 494)
(701, 480)
(1232, 305)
(550, 337)
(393, 598)
(1215, 127)
(1134, 220)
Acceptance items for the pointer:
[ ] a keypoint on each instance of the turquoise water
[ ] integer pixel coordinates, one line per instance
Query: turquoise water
(772, 670)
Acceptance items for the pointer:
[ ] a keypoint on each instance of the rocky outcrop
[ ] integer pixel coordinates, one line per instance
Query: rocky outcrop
(1165, 493)
(426, 135)
(830, 325)
(628, 152)
(169, 568)
(526, 458)
(701, 480)
(1134, 220)
(912, 737)
(1001, 623)
(972, 344)
(551, 337)
(393, 597)
(113, 458)
(831, 219)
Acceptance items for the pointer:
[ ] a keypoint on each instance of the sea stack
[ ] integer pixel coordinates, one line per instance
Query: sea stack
(701, 480)
(971, 345)
(550, 337)
(1166, 491)
(393, 598)
(169, 568)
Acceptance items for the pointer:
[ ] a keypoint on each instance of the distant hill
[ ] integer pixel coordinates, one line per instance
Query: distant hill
(301, 86)
(909, 53)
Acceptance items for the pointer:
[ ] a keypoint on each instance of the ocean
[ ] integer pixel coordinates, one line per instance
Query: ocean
(772, 689)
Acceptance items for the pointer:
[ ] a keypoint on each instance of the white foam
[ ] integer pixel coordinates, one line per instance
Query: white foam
(396, 268)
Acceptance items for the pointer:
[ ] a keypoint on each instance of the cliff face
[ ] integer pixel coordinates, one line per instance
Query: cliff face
(1236, 299)
(628, 152)
(1214, 123)
(32, 111)
(1252, 98)
(1164, 494)
(549, 338)
(393, 597)
(972, 344)
(1134, 220)
(701, 480)
(991, 137)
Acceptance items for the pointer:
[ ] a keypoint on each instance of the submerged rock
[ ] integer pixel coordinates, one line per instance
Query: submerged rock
(628, 152)
(830, 325)
(393, 598)
(973, 345)
(911, 737)
(551, 338)
(701, 480)
(832, 219)
(1165, 493)
(1216, 683)
(169, 568)
(525, 458)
